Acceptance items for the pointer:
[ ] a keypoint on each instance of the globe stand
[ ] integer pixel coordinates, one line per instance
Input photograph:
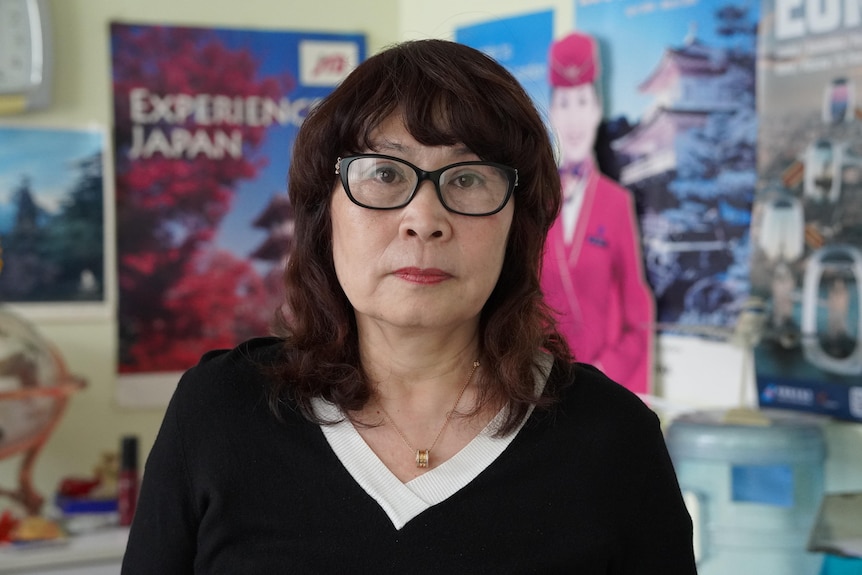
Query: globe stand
(30, 446)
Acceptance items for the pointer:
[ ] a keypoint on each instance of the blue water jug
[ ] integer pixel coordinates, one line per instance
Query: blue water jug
(753, 490)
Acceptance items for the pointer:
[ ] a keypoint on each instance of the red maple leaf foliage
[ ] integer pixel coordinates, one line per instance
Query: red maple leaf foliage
(199, 323)
(178, 296)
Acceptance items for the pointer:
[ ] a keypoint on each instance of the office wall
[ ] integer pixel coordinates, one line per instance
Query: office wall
(93, 423)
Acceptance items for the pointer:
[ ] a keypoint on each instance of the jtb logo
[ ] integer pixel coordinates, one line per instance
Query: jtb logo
(332, 64)
(326, 63)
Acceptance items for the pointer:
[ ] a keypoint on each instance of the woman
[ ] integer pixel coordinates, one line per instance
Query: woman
(606, 320)
(419, 413)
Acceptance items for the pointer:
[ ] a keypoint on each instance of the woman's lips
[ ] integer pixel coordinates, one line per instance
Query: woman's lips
(422, 275)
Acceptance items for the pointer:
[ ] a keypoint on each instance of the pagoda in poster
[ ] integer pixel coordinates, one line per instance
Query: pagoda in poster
(688, 84)
(277, 219)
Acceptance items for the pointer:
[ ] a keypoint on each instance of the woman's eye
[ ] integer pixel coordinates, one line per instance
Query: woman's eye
(467, 180)
(386, 175)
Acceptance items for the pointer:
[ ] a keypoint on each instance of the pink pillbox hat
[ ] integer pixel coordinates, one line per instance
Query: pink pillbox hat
(573, 61)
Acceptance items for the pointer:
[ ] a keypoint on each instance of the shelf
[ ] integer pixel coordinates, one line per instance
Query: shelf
(101, 547)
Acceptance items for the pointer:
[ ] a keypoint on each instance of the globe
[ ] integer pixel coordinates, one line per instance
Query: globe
(35, 386)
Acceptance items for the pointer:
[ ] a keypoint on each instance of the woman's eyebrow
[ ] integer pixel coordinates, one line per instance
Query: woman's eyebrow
(388, 146)
(396, 148)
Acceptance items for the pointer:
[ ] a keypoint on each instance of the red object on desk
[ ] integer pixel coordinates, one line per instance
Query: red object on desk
(77, 486)
(8, 522)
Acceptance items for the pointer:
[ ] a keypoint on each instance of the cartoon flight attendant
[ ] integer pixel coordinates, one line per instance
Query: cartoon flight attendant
(592, 273)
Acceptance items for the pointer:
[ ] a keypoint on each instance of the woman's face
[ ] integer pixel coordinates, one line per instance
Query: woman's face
(419, 266)
(575, 115)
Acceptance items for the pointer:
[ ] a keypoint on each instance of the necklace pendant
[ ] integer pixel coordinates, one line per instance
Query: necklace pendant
(423, 456)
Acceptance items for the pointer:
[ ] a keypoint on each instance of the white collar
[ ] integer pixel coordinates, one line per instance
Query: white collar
(403, 501)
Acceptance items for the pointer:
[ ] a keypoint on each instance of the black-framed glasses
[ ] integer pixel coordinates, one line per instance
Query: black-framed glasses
(380, 182)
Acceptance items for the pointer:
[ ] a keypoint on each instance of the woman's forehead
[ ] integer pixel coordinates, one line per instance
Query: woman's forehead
(391, 136)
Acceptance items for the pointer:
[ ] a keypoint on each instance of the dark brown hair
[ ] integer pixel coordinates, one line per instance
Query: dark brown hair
(447, 94)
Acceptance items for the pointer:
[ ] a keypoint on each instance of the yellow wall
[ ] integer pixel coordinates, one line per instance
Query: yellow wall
(93, 423)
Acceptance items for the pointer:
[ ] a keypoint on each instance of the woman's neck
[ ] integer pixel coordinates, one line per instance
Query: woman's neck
(421, 378)
(422, 364)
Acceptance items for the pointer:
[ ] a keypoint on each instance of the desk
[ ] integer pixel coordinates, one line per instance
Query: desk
(97, 553)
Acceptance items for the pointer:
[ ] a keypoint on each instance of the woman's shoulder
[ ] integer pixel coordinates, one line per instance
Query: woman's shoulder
(259, 351)
(231, 373)
(595, 413)
(588, 394)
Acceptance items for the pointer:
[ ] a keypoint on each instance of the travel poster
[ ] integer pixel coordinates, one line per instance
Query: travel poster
(807, 224)
(204, 123)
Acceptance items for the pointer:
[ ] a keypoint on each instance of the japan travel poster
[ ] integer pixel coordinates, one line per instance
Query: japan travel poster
(204, 121)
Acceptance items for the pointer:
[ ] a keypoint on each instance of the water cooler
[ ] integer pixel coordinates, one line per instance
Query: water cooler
(753, 490)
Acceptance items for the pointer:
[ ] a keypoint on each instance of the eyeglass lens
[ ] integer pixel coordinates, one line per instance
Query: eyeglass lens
(469, 188)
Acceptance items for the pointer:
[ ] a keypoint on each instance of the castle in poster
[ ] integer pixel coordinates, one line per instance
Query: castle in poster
(694, 216)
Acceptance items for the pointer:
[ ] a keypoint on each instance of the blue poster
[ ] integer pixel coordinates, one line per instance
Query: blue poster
(519, 43)
(679, 90)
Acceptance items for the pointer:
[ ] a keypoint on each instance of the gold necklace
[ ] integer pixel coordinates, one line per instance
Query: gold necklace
(423, 456)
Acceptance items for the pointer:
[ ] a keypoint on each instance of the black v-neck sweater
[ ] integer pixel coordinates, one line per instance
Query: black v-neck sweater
(585, 488)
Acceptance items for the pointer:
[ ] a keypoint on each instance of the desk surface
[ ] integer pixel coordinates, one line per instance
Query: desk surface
(103, 546)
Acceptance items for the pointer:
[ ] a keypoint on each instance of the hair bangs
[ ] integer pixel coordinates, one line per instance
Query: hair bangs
(436, 109)
(442, 117)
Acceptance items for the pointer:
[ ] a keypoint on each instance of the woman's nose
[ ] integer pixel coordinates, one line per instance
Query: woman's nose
(425, 216)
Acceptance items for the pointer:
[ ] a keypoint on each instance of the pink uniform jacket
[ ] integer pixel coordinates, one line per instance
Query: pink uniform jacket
(597, 285)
